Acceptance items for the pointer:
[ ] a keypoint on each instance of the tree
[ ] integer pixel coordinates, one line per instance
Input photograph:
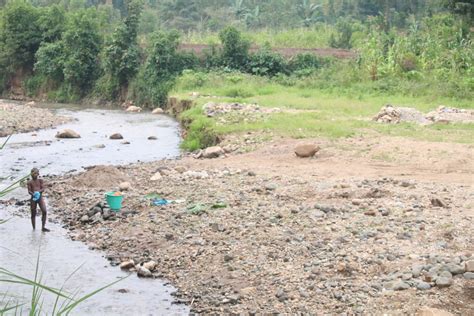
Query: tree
(157, 76)
(82, 44)
(308, 12)
(20, 36)
(121, 55)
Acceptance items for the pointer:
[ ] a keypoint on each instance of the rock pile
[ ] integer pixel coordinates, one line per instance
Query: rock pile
(438, 271)
(237, 112)
(395, 115)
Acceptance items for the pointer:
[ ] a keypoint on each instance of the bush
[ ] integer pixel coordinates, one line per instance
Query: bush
(235, 49)
(267, 63)
(304, 62)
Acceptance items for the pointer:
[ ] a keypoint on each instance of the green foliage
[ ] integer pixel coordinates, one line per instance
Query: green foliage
(304, 62)
(20, 36)
(121, 55)
(82, 44)
(50, 60)
(200, 130)
(266, 63)
(343, 37)
(157, 76)
(235, 49)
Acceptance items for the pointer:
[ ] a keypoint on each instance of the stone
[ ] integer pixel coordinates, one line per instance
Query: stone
(427, 311)
(306, 150)
(437, 202)
(134, 108)
(158, 111)
(454, 268)
(106, 214)
(400, 285)
(144, 272)
(150, 265)
(469, 275)
(152, 138)
(443, 281)
(213, 152)
(84, 219)
(125, 142)
(156, 177)
(423, 286)
(125, 186)
(469, 266)
(370, 213)
(100, 146)
(67, 133)
(416, 270)
(116, 136)
(126, 265)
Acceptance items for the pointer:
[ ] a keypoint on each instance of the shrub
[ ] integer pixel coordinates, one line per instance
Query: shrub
(267, 63)
(304, 62)
(235, 49)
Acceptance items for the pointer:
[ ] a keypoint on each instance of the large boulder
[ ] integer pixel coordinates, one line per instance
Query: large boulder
(306, 150)
(67, 133)
(213, 152)
(134, 108)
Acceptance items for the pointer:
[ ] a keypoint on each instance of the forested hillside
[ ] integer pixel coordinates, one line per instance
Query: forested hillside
(114, 51)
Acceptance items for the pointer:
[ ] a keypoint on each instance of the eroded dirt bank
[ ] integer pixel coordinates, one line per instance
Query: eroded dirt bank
(360, 228)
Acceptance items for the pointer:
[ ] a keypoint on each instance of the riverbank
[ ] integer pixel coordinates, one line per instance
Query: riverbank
(266, 231)
(18, 117)
(366, 226)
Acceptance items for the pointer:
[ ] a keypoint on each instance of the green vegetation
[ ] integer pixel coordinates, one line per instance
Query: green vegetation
(308, 108)
(415, 53)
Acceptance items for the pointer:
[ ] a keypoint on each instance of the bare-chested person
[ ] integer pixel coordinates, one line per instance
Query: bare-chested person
(36, 189)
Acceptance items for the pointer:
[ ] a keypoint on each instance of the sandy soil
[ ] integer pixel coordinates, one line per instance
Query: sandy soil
(265, 231)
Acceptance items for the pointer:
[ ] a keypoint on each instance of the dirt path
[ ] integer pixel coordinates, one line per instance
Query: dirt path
(264, 231)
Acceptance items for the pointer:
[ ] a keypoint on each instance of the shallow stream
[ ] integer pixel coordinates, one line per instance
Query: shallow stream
(60, 256)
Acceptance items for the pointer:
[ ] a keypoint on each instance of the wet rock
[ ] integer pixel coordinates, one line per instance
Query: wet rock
(469, 266)
(67, 133)
(212, 152)
(152, 138)
(125, 186)
(156, 177)
(125, 142)
(144, 272)
(150, 265)
(306, 150)
(427, 311)
(158, 111)
(101, 146)
(116, 136)
(126, 265)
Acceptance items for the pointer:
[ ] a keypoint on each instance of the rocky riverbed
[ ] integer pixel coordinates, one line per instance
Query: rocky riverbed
(237, 240)
(18, 117)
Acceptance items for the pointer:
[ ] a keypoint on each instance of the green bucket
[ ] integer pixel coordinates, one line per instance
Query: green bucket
(114, 201)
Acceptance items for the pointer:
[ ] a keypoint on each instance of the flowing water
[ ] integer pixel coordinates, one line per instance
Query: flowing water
(59, 256)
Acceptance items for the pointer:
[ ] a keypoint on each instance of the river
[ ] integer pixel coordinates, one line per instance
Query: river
(60, 256)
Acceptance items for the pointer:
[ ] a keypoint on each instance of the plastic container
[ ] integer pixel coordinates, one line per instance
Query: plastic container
(114, 200)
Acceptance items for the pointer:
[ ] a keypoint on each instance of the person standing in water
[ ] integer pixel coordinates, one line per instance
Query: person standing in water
(36, 189)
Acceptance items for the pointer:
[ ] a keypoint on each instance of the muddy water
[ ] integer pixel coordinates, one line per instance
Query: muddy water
(60, 256)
